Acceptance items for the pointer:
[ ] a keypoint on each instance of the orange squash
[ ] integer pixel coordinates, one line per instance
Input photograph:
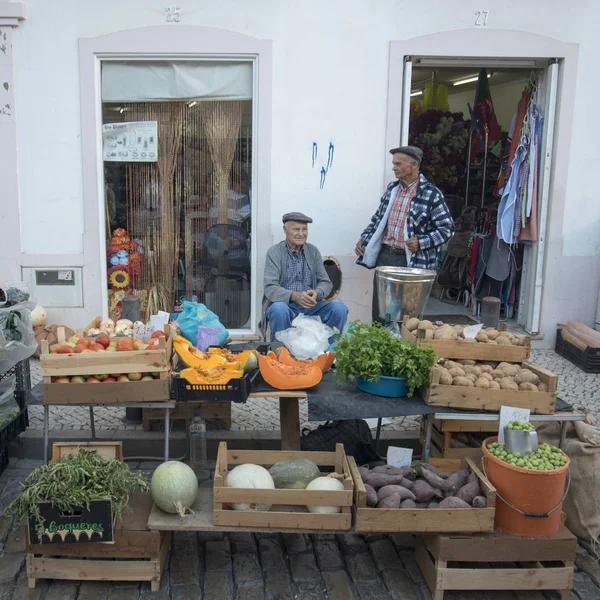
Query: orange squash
(288, 377)
(330, 358)
(211, 376)
(287, 359)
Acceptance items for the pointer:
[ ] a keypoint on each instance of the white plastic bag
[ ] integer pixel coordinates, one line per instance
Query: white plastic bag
(17, 340)
(306, 338)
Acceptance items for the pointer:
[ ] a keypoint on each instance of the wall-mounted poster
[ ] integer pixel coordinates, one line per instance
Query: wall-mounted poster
(135, 141)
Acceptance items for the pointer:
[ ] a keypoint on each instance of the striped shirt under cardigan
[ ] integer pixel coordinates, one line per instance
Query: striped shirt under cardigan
(429, 220)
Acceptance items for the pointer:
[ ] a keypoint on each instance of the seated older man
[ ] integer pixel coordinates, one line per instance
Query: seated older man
(296, 280)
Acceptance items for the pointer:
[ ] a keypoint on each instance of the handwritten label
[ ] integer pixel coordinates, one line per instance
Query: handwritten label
(144, 332)
(159, 321)
(399, 457)
(471, 331)
(508, 414)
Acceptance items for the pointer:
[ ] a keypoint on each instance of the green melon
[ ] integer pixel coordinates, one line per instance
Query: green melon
(294, 474)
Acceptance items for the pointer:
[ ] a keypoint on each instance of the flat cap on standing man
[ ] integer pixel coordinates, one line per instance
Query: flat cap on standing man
(296, 280)
(411, 224)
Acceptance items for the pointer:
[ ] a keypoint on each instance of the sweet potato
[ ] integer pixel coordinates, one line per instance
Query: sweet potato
(434, 469)
(433, 505)
(412, 324)
(364, 472)
(386, 491)
(458, 479)
(453, 502)
(391, 501)
(464, 381)
(407, 483)
(473, 477)
(371, 495)
(408, 503)
(378, 480)
(391, 470)
(424, 492)
(479, 502)
(436, 481)
(468, 492)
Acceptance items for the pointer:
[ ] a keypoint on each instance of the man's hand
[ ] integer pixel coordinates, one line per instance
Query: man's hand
(412, 244)
(314, 295)
(359, 249)
(304, 299)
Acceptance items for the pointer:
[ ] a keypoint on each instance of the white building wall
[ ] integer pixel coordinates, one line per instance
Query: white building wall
(330, 85)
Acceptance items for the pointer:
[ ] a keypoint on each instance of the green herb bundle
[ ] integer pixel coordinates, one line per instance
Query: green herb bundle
(76, 480)
(370, 351)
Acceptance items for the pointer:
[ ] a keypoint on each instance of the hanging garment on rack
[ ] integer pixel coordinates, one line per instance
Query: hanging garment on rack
(529, 231)
(508, 204)
(499, 262)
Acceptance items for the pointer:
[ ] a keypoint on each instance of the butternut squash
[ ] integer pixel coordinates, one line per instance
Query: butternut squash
(287, 377)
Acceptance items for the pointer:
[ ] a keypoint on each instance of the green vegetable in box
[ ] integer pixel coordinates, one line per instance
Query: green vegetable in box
(545, 458)
(370, 351)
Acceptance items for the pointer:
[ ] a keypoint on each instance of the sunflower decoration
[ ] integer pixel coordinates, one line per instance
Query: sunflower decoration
(118, 278)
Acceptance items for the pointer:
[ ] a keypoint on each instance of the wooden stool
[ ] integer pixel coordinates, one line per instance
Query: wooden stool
(497, 561)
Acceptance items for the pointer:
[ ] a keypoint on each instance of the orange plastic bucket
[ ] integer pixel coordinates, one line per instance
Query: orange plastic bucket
(538, 494)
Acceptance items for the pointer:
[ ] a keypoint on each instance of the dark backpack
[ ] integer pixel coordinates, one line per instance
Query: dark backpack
(354, 434)
(454, 270)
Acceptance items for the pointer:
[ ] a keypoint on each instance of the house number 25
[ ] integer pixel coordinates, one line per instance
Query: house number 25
(173, 14)
(481, 18)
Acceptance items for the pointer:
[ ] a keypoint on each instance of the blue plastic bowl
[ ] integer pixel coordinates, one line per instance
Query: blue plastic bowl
(391, 387)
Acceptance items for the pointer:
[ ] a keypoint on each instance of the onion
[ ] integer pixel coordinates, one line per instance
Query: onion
(174, 487)
(325, 483)
(249, 476)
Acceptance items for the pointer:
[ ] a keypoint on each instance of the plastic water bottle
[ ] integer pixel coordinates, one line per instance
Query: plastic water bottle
(197, 443)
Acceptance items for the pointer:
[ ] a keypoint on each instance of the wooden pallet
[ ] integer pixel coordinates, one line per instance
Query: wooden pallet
(497, 561)
(419, 520)
(454, 349)
(210, 410)
(288, 507)
(138, 554)
(456, 396)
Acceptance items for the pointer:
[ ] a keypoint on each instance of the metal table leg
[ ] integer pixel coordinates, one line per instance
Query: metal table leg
(167, 434)
(427, 443)
(378, 434)
(92, 424)
(46, 419)
(563, 434)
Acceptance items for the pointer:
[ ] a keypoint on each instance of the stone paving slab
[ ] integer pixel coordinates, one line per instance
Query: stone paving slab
(575, 386)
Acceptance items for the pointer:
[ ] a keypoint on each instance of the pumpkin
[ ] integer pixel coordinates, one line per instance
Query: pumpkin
(329, 361)
(49, 333)
(287, 377)
(287, 359)
(213, 376)
(294, 474)
(249, 476)
(193, 357)
(248, 360)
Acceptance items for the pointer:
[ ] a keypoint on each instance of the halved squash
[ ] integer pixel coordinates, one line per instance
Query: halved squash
(329, 361)
(287, 359)
(247, 359)
(288, 377)
(193, 357)
(213, 375)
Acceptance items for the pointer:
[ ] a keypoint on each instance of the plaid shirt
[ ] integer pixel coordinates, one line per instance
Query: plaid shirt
(394, 230)
(428, 220)
(298, 277)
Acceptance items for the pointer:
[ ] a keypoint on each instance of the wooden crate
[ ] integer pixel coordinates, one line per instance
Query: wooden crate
(463, 350)
(138, 554)
(137, 361)
(105, 449)
(497, 561)
(288, 506)
(444, 432)
(210, 410)
(419, 520)
(455, 396)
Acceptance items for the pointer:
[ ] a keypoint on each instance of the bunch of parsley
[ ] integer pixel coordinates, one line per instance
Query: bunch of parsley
(370, 351)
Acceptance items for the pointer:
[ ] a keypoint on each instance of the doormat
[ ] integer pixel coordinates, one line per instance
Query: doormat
(453, 319)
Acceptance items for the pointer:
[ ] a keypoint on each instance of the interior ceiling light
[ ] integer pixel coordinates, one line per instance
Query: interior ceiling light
(419, 93)
(121, 110)
(469, 80)
(192, 104)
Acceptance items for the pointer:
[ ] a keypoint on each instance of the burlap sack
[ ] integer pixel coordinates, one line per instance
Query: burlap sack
(582, 504)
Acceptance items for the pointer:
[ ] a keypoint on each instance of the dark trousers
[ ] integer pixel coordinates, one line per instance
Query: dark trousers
(385, 259)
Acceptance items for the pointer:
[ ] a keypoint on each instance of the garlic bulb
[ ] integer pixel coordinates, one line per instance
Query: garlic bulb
(125, 322)
(93, 331)
(107, 325)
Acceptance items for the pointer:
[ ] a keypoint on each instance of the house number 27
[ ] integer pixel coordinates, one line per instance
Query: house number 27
(173, 14)
(481, 18)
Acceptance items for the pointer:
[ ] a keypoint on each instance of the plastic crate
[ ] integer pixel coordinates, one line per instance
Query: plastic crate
(236, 390)
(12, 429)
(588, 360)
(3, 460)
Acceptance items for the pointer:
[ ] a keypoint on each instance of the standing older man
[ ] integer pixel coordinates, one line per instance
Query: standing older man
(410, 225)
(296, 280)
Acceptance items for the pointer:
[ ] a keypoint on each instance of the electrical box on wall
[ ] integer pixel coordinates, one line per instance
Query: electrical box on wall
(55, 287)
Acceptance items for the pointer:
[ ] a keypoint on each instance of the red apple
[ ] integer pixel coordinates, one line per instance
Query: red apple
(101, 377)
(122, 378)
(97, 347)
(92, 380)
(66, 350)
(134, 376)
(87, 351)
(77, 379)
(157, 334)
(147, 378)
(62, 380)
(79, 349)
(109, 379)
(103, 340)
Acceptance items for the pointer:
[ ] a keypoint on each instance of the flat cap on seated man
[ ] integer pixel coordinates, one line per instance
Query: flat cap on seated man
(296, 280)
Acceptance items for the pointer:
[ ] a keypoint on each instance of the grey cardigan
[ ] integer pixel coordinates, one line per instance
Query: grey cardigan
(275, 266)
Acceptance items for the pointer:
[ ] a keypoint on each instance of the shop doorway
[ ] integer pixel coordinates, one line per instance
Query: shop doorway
(486, 128)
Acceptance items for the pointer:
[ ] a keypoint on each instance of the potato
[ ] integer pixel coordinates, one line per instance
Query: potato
(462, 381)
(492, 364)
(467, 361)
(486, 376)
(526, 376)
(528, 387)
(459, 329)
(506, 383)
(481, 337)
(492, 342)
(494, 385)
(412, 324)
(445, 377)
(425, 324)
(457, 372)
(519, 341)
(482, 382)
(429, 333)
(485, 368)
(510, 370)
(451, 364)
(445, 333)
(473, 370)
(503, 341)
(542, 387)
(497, 374)
(492, 334)
(472, 377)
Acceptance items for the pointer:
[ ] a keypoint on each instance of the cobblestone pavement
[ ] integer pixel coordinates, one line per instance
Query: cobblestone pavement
(246, 566)
(579, 388)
